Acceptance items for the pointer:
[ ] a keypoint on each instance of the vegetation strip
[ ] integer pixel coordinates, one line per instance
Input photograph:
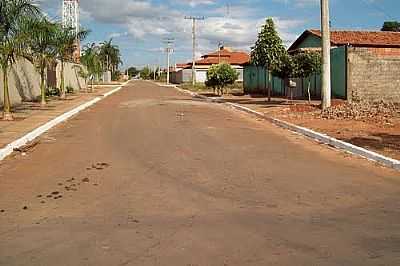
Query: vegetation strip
(7, 150)
(348, 147)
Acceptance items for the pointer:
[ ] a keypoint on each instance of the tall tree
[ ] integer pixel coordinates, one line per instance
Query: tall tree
(268, 50)
(65, 43)
(391, 26)
(110, 56)
(13, 14)
(42, 50)
(91, 60)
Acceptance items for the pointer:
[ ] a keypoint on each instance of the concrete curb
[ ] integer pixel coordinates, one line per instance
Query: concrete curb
(7, 150)
(322, 138)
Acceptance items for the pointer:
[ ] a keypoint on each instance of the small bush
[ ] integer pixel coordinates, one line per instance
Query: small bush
(69, 89)
(50, 92)
(219, 76)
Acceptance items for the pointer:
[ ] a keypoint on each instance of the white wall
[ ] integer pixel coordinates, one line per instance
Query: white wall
(201, 75)
(71, 76)
(24, 81)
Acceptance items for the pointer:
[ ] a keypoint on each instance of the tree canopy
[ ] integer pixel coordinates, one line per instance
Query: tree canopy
(268, 50)
(132, 72)
(221, 75)
(391, 26)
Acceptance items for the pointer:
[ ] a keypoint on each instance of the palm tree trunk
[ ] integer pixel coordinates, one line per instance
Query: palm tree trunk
(62, 85)
(7, 115)
(42, 86)
(308, 91)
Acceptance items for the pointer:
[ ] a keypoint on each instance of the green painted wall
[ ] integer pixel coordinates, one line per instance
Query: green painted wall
(310, 41)
(338, 72)
(256, 81)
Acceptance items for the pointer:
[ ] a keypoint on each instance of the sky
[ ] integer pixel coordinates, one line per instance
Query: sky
(140, 26)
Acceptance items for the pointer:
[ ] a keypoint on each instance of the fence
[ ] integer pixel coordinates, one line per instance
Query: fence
(256, 79)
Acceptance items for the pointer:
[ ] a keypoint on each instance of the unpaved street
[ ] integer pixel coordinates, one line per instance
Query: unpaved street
(151, 177)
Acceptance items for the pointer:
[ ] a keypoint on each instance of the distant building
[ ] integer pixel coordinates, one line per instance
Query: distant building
(237, 59)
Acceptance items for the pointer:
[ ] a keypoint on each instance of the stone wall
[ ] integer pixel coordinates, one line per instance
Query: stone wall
(24, 81)
(373, 74)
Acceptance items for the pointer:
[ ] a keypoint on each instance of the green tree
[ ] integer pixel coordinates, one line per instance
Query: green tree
(145, 73)
(42, 49)
(91, 60)
(391, 26)
(132, 72)
(110, 56)
(268, 50)
(221, 75)
(13, 14)
(307, 64)
(65, 43)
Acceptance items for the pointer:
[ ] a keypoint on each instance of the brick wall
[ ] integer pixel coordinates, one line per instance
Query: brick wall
(373, 74)
(385, 52)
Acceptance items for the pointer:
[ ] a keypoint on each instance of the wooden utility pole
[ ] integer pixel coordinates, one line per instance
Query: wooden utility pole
(194, 46)
(326, 55)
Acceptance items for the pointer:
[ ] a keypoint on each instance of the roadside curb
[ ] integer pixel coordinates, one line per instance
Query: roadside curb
(322, 138)
(8, 149)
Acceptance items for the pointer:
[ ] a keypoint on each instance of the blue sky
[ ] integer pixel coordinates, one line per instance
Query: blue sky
(139, 26)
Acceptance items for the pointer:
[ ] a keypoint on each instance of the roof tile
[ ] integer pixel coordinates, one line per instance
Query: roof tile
(363, 38)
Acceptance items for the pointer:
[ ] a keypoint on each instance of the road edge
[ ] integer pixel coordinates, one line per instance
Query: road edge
(319, 137)
(9, 148)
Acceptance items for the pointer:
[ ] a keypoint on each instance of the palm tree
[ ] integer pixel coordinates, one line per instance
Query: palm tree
(65, 41)
(42, 50)
(110, 56)
(91, 60)
(13, 14)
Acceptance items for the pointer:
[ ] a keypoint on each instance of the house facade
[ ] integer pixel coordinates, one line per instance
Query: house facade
(365, 65)
(237, 59)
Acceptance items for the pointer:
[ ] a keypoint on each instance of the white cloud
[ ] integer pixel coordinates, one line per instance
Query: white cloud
(150, 22)
(194, 3)
(300, 3)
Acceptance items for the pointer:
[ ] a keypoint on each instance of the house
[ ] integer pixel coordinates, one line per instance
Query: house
(237, 59)
(364, 64)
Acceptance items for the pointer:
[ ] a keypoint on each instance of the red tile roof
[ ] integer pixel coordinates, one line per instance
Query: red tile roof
(225, 55)
(356, 38)
(182, 65)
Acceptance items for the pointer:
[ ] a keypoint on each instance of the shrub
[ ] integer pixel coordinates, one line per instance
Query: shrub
(219, 76)
(69, 89)
(50, 92)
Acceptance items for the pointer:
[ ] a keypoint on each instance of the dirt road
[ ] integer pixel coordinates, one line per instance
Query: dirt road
(150, 177)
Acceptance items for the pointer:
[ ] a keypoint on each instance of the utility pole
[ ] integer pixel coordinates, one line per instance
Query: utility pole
(326, 55)
(168, 50)
(220, 45)
(194, 46)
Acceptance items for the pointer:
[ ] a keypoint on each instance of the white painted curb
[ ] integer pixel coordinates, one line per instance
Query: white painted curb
(7, 150)
(339, 144)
